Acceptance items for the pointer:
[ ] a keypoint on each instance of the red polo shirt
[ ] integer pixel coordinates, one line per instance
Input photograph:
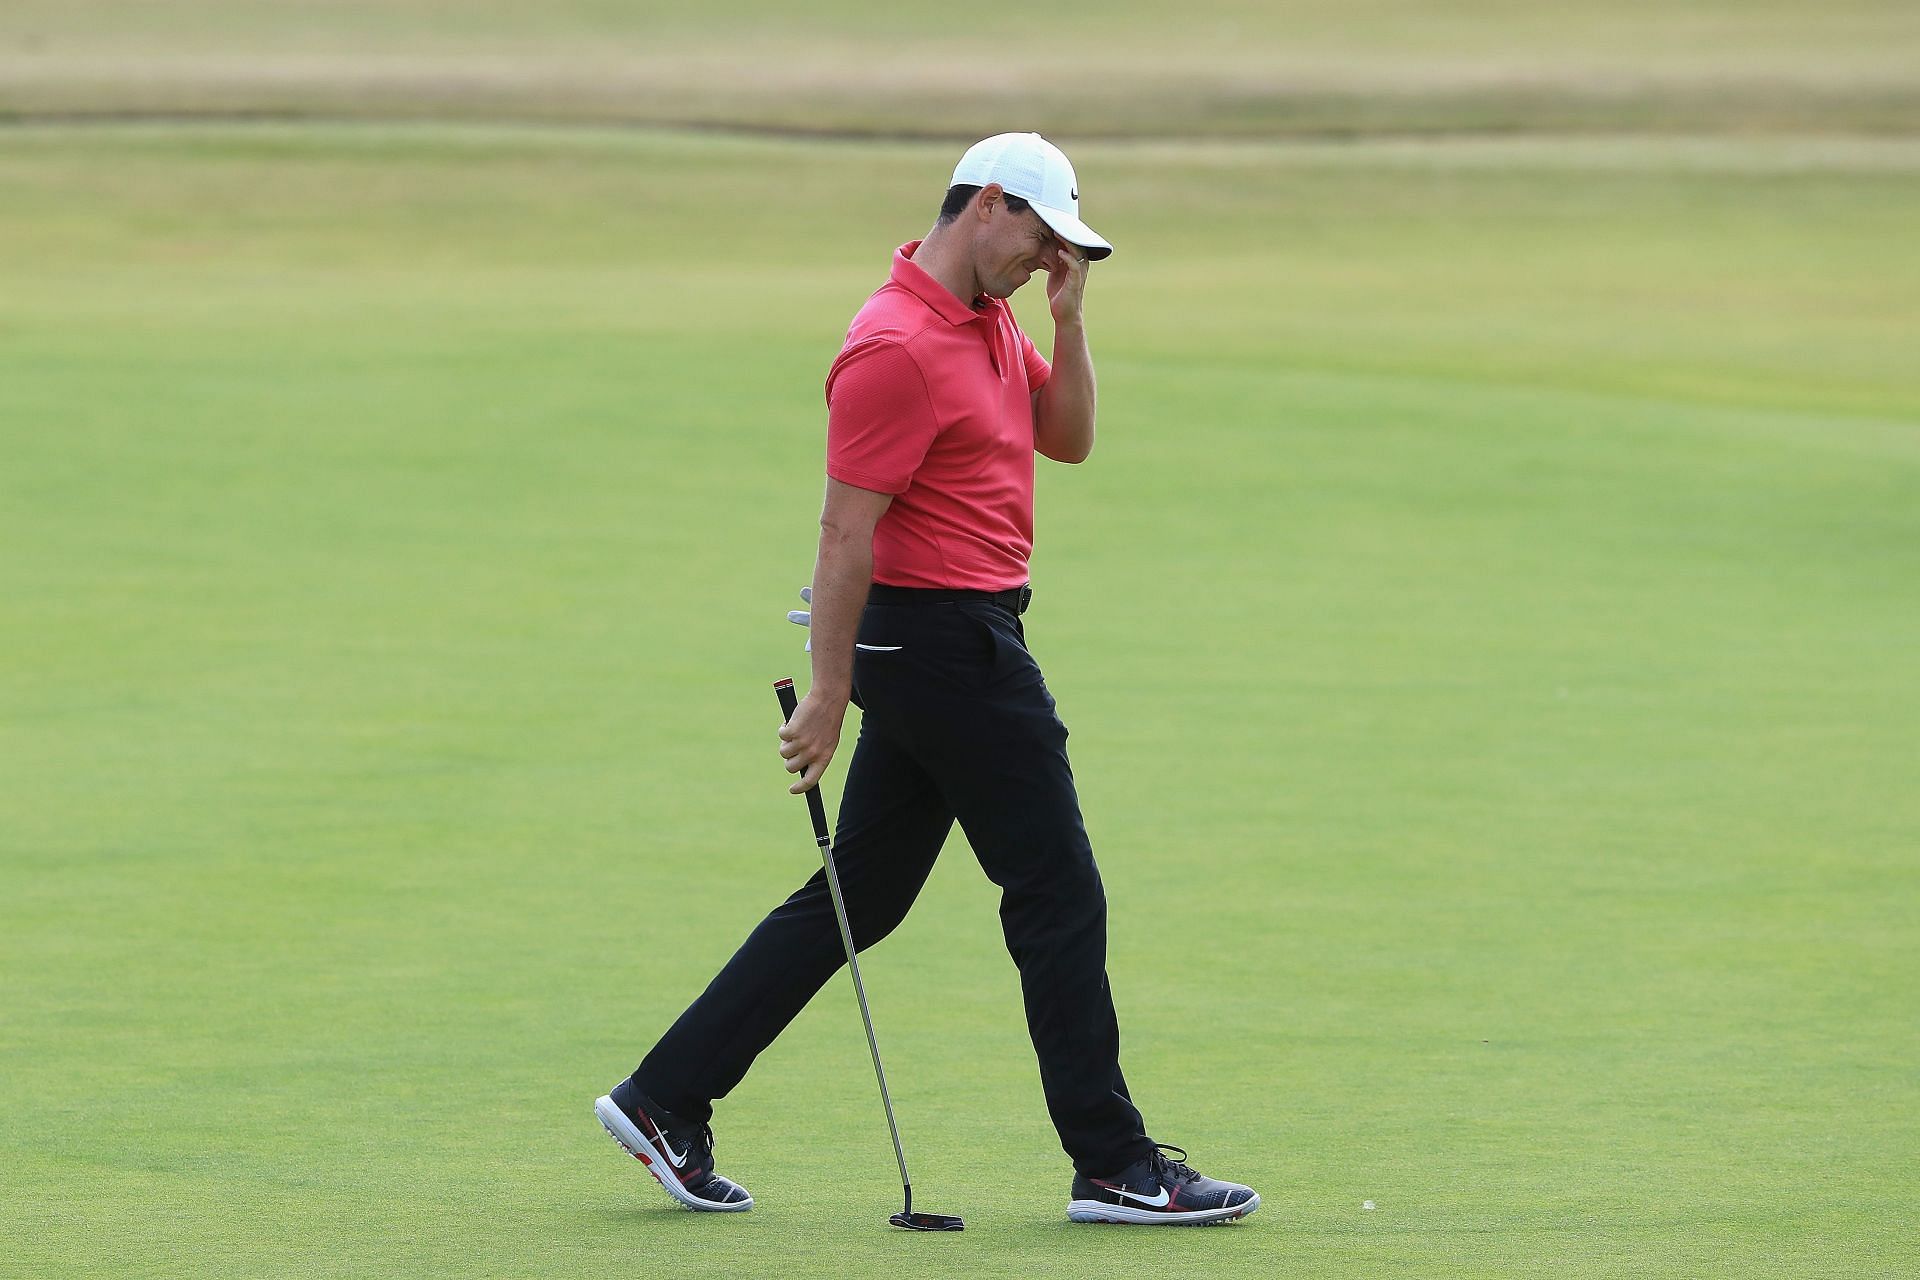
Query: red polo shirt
(930, 400)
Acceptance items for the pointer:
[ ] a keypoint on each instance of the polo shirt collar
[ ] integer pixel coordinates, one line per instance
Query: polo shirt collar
(910, 276)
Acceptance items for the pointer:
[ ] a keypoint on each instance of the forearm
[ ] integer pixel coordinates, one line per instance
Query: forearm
(841, 575)
(1063, 426)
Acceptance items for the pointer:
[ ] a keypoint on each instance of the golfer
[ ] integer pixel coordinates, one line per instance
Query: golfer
(936, 406)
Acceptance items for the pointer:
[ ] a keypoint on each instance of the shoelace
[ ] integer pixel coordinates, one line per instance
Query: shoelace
(1168, 1169)
(680, 1127)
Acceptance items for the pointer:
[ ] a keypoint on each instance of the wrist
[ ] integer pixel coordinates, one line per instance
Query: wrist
(831, 690)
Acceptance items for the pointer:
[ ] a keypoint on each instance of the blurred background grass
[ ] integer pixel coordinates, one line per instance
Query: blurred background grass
(1303, 67)
(1487, 625)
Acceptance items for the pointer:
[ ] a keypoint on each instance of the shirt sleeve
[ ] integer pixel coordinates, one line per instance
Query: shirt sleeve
(880, 417)
(1038, 370)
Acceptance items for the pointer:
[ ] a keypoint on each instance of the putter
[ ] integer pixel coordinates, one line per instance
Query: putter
(818, 810)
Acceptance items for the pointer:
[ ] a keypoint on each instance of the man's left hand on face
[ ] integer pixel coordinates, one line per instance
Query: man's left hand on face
(1066, 284)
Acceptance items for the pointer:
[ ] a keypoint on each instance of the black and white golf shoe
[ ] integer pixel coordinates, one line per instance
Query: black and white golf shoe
(1160, 1191)
(678, 1154)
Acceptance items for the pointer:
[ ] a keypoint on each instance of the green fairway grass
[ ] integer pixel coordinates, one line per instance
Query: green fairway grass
(1487, 624)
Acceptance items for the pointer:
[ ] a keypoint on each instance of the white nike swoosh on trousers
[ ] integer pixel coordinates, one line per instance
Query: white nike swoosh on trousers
(1158, 1202)
(879, 648)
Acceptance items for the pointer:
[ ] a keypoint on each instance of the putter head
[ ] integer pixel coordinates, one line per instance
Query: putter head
(927, 1222)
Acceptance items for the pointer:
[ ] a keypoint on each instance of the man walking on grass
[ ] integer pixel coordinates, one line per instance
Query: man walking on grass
(936, 407)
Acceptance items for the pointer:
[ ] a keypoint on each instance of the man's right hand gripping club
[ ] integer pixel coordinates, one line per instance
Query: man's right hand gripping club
(841, 575)
(809, 739)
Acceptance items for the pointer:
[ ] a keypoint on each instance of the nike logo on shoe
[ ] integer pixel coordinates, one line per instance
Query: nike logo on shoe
(695, 1186)
(678, 1159)
(1181, 1197)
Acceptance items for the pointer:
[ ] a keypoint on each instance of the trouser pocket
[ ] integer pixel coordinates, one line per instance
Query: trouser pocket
(939, 646)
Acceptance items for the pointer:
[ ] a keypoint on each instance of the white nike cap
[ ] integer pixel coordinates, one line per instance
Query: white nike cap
(1028, 166)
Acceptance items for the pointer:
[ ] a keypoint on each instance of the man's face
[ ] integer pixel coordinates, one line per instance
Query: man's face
(1011, 247)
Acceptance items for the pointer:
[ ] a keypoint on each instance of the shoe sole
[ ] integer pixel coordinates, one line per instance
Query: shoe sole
(635, 1144)
(1101, 1211)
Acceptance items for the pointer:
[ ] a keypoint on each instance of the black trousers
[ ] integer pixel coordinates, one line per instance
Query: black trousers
(958, 724)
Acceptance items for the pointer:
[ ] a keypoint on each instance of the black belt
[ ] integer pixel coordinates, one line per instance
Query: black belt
(1014, 599)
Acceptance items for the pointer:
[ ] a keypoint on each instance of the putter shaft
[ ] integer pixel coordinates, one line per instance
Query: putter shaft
(817, 810)
(860, 994)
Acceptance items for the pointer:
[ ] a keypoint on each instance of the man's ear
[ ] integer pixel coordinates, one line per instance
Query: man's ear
(990, 195)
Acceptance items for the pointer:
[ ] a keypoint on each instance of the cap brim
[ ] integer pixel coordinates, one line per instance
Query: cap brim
(1074, 231)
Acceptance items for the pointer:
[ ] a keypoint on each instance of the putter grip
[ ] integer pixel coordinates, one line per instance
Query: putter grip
(816, 809)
